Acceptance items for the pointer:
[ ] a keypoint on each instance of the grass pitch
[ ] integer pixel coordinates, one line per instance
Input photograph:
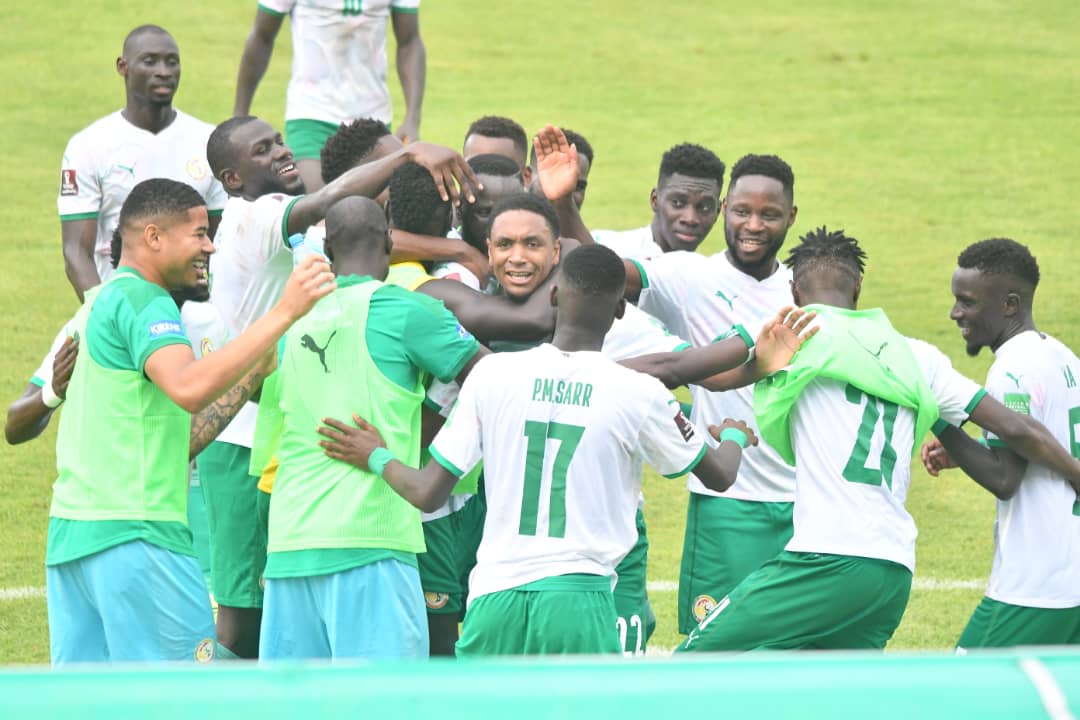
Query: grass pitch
(917, 126)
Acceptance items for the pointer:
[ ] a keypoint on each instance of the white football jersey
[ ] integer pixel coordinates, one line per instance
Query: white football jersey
(339, 57)
(699, 299)
(853, 462)
(104, 161)
(44, 373)
(637, 244)
(563, 437)
(1037, 532)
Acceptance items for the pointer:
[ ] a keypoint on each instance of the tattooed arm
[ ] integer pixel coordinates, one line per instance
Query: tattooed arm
(207, 424)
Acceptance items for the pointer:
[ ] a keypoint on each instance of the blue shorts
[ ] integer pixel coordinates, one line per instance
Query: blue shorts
(134, 602)
(374, 611)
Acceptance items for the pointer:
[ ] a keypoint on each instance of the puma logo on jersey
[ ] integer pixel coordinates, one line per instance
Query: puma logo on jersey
(308, 343)
(878, 353)
(1014, 378)
(131, 170)
(730, 301)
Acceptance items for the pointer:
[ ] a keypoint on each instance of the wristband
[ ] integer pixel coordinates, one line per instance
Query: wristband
(50, 398)
(735, 435)
(378, 460)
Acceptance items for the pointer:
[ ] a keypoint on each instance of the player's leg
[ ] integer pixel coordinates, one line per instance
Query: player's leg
(306, 138)
(237, 546)
(374, 611)
(76, 633)
(726, 540)
(440, 578)
(293, 627)
(153, 602)
(631, 596)
(998, 624)
(561, 622)
(802, 600)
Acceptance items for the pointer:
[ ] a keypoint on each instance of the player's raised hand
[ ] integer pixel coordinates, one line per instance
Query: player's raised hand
(715, 430)
(310, 281)
(350, 444)
(448, 169)
(64, 365)
(935, 457)
(781, 338)
(556, 163)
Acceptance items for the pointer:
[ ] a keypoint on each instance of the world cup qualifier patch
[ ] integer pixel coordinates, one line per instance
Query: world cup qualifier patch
(684, 426)
(69, 183)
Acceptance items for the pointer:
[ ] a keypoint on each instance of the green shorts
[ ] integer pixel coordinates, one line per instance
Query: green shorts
(452, 542)
(806, 600)
(998, 624)
(726, 540)
(636, 621)
(237, 538)
(567, 614)
(306, 137)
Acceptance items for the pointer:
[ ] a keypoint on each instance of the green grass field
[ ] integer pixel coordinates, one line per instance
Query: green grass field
(918, 126)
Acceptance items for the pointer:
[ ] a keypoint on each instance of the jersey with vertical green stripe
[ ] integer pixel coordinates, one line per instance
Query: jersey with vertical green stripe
(122, 447)
(364, 349)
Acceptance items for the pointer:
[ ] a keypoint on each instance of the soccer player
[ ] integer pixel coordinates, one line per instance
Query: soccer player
(148, 138)
(122, 585)
(843, 579)
(562, 431)
(728, 535)
(685, 205)
(1033, 597)
(496, 135)
(341, 572)
(585, 163)
(338, 69)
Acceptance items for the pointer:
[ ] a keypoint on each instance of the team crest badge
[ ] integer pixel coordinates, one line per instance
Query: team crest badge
(207, 347)
(703, 605)
(204, 652)
(196, 169)
(69, 184)
(436, 600)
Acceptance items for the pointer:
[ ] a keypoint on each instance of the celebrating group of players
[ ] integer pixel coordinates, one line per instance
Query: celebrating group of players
(418, 390)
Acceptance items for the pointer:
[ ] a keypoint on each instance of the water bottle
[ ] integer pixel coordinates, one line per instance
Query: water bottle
(301, 248)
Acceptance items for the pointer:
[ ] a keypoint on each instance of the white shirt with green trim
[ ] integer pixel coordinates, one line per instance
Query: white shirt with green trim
(1037, 532)
(249, 270)
(853, 462)
(339, 57)
(637, 243)
(44, 373)
(563, 437)
(699, 298)
(104, 161)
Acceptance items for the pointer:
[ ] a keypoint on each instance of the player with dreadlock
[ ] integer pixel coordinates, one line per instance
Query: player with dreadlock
(847, 413)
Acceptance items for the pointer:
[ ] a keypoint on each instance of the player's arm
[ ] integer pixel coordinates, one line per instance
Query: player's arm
(633, 280)
(494, 317)
(208, 423)
(999, 470)
(412, 247)
(723, 365)
(719, 466)
(557, 168)
(28, 416)
(78, 238)
(446, 166)
(253, 63)
(411, 69)
(193, 384)
(427, 489)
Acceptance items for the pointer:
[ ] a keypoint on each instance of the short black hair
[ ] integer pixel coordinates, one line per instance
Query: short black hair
(767, 165)
(693, 161)
(572, 138)
(594, 270)
(496, 126)
(1001, 256)
(414, 199)
(821, 248)
(138, 32)
(529, 202)
(492, 164)
(348, 146)
(219, 150)
(116, 246)
(158, 197)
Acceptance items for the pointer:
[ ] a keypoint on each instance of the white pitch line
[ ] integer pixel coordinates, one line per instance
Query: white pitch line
(665, 586)
(21, 593)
